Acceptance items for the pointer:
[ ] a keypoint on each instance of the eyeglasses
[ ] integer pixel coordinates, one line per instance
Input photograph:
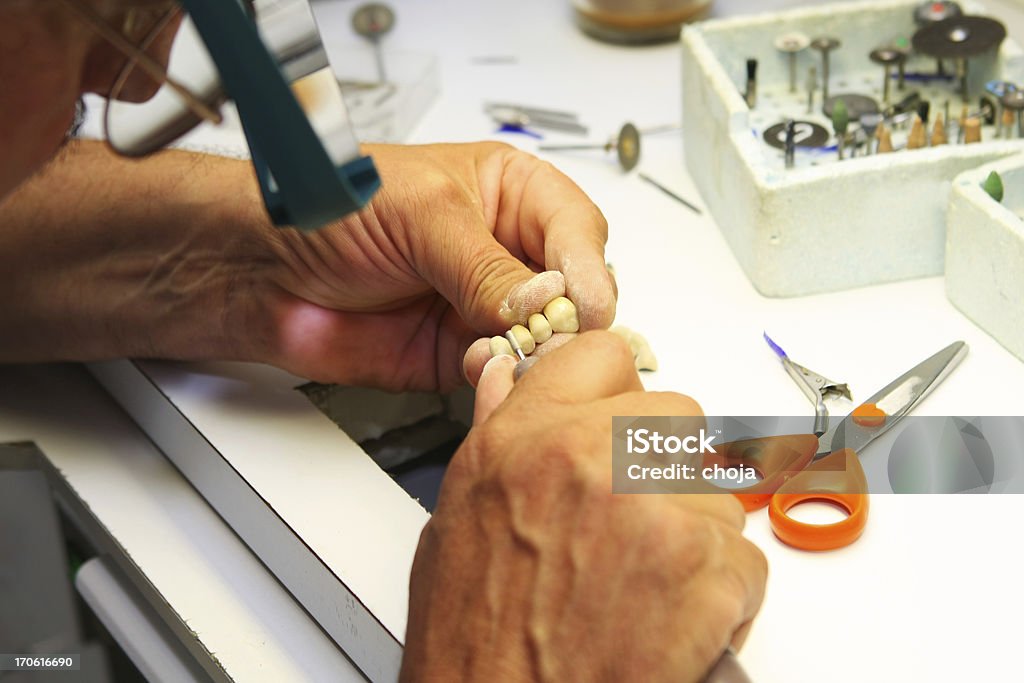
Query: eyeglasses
(182, 108)
(304, 149)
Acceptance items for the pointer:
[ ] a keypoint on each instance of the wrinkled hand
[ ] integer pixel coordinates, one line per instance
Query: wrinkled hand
(530, 569)
(448, 250)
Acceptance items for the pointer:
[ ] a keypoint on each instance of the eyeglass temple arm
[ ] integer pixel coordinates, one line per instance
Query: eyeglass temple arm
(301, 186)
(146, 63)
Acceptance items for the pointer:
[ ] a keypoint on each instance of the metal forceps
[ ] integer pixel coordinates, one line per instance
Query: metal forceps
(519, 116)
(816, 387)
(799, 468)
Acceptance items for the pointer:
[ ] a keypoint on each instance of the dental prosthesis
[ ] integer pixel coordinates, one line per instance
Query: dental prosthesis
(560, 316)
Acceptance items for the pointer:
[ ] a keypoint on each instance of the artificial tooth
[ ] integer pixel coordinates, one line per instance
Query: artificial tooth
(500, 346)
(561, 314)
(525, 339)
(540, 328)
(643, 357)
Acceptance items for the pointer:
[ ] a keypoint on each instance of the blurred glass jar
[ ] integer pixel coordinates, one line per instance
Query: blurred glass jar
(636, 21)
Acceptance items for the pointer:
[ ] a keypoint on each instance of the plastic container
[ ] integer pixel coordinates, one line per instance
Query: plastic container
(636, 21)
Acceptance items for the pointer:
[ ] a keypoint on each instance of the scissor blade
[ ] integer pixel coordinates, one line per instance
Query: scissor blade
(897, 399)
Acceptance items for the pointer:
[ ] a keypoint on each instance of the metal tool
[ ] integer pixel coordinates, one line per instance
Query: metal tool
(373, 21)
(815, 387)
(998, 90)
(869, 124)
(626, 145)
(648, 179)
(517, 348)
(812, 85)
(806, 134)
(790, 143)
(825, 45)
(960, 38)
(924, 110)
(521, 116)
(887, 57)
(750, 95)
(663, 128)
(928, 13)
(827, 466)
(790, 44)
(902, 45)
(907, 105)
(840, 124)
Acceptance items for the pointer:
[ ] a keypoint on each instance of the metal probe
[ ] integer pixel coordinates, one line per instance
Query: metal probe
(516, 347)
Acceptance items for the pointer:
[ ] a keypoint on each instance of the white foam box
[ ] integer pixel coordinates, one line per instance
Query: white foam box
(985, 252)
(824, 225)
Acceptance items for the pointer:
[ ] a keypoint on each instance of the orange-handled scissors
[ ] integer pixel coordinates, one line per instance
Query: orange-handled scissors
(808, 467)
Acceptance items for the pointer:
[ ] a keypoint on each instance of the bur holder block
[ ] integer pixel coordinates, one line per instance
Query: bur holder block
(839, 225)
(985, 252)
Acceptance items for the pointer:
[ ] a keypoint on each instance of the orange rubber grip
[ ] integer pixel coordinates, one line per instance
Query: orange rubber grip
(818, 536)
(837, 479)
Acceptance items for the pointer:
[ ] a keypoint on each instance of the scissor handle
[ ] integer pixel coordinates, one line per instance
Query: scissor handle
(837, 479)
(775, 458)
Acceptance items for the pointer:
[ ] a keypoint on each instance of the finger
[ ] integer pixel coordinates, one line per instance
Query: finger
(524, 365)
(728, 597)
(614, 280)
(559, 226)
(742, 572)
(531, 296)
(753, 567)
(475, 359)
(495, 383)
(489, 287)
(596, 365)
(721, 506)
(740, 636)
(555, 341)
(454, 340)
(579, 255)
(479, 352)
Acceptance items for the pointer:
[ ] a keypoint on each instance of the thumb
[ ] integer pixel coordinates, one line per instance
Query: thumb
(489, 287)
(496, 382)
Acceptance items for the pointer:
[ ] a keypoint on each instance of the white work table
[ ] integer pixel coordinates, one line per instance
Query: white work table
(931, 592)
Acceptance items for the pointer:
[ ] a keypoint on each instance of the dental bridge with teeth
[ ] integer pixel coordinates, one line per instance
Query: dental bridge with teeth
(560, 316)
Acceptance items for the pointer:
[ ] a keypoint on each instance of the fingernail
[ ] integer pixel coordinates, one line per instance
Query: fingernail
(494, 363)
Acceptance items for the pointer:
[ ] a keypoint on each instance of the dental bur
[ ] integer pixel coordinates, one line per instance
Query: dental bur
(516, 347)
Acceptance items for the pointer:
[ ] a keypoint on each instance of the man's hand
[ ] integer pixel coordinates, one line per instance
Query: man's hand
(531, 569)
(449, 250)
(173, 257)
